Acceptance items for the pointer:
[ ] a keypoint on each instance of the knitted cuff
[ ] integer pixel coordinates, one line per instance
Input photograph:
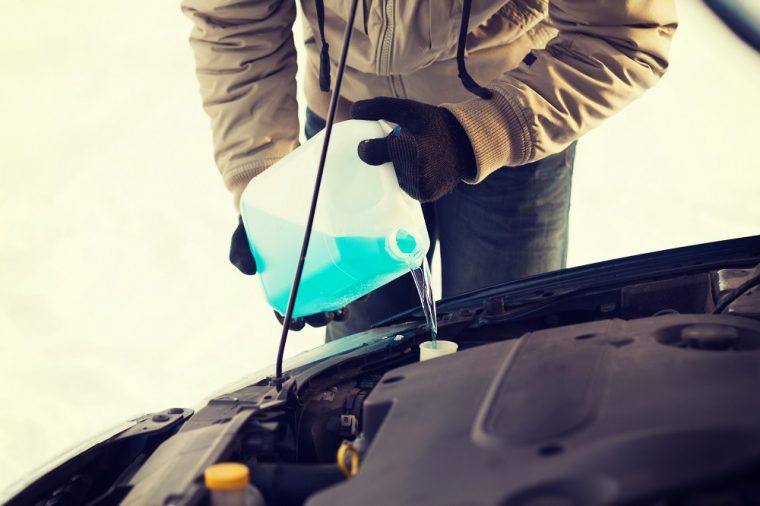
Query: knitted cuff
(499, 131)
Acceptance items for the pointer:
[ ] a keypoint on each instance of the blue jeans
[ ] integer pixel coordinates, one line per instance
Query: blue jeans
(511, 225)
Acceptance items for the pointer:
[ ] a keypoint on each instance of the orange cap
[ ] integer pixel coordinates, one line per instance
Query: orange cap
(226, 476)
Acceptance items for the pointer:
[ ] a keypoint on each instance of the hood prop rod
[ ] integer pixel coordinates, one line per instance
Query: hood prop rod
(278, 380)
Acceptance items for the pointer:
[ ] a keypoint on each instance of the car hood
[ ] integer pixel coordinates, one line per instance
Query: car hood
(601, 384)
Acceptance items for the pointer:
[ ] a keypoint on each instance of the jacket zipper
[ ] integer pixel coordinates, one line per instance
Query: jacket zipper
(385, 46)
(397, 86)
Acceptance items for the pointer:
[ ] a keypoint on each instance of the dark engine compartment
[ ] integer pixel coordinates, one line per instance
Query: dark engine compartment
(638, 410)
(609, 412)
(625, 389)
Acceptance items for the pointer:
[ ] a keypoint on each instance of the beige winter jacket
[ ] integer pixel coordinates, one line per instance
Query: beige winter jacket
(592, 57)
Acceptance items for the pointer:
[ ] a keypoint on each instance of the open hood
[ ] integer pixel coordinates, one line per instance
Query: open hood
(624, 382)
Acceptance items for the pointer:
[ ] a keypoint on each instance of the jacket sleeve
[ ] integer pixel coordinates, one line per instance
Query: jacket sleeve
(246, 66)
(606, 54)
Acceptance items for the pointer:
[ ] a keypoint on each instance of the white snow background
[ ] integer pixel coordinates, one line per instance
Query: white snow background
(116, 296)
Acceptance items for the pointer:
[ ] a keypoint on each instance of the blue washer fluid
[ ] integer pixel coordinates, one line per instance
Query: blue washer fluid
(366, 233)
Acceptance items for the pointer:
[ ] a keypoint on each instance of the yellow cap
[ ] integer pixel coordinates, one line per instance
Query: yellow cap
(226, 476)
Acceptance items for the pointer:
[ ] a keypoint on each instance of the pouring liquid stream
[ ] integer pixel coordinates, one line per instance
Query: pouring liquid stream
(421, 277)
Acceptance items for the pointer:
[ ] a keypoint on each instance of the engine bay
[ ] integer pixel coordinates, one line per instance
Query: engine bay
(564, 407)
(605, 387)
(574, 413)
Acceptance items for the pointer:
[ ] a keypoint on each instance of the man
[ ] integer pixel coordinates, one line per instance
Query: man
(492, 164)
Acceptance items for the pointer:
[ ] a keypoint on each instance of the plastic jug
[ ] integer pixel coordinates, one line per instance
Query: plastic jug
(366, 233)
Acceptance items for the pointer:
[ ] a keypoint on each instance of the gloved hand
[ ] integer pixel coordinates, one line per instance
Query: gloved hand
(240, 252)
(242, 258)
(430, 152)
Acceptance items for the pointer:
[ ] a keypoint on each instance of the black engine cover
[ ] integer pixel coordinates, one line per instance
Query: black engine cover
(608, 412)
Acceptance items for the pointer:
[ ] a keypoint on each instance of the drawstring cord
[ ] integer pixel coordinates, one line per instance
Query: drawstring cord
(324, 55)
(467, 80)
(469, 83)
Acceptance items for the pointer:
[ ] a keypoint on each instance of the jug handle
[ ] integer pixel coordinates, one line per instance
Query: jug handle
(385, 126)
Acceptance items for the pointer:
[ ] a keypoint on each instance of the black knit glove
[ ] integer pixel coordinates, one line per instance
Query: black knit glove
(430, 152)
(242, 258)
(240, 252)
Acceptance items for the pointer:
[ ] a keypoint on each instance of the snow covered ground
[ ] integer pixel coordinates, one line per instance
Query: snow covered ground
(117, 298)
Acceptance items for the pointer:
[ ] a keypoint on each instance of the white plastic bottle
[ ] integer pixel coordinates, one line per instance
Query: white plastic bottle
(366, 229)
(229, 485)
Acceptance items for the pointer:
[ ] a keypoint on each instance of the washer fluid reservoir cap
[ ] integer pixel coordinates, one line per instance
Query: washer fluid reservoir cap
(226, 476)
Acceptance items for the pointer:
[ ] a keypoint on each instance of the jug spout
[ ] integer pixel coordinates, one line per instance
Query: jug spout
(403, 246)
